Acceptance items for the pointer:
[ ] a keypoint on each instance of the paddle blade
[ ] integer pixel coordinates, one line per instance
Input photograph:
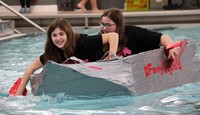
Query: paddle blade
(14, 88)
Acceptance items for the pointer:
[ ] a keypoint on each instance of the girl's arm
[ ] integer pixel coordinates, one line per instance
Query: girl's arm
(36, 64)
(165, 40)
(112, 39)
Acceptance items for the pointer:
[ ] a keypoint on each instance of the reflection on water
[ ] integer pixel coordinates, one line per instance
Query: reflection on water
(17, 54)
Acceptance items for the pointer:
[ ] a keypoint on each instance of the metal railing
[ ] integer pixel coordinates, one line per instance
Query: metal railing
(25, 18)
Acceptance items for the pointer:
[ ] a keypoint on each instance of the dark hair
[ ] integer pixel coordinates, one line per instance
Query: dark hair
(54, 53)
(117, 17)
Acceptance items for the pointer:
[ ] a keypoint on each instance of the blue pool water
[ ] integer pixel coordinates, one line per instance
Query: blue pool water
(17, 54)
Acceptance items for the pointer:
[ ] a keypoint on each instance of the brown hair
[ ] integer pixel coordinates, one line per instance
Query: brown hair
(116, 16)
(54, 53)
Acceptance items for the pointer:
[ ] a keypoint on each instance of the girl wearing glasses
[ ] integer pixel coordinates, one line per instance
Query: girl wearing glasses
(133, 39)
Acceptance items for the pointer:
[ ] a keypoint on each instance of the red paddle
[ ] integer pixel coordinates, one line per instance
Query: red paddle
(14, 88)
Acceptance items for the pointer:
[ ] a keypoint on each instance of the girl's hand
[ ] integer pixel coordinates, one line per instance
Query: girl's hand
(109, 57)
(173, 53)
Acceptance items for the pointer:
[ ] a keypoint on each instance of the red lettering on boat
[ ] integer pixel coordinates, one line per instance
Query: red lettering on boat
(163, 68)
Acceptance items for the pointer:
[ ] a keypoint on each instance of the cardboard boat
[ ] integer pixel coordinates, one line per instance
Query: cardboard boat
(139, 74)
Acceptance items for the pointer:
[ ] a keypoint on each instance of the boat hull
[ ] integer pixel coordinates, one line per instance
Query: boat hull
(139, 74)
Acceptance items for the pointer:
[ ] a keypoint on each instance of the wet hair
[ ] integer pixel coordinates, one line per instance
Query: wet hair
(52, 52)
(117, 17)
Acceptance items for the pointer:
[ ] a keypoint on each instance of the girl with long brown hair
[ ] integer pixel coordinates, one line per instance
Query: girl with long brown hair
(133, 39)
(63, 43)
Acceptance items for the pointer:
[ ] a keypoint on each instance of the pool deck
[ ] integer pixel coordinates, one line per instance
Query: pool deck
(43, 15)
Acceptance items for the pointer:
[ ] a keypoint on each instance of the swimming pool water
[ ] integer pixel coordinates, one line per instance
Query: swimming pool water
(17, 54)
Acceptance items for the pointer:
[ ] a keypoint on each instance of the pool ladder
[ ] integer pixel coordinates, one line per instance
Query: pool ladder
(22, 16)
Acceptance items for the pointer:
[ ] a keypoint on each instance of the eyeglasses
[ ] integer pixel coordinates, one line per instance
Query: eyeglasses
(105, 25)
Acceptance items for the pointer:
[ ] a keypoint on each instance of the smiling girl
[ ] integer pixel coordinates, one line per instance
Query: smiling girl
(62, 43)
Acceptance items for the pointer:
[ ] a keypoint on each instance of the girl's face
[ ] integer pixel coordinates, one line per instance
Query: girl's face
(107, 25)
(59, 38)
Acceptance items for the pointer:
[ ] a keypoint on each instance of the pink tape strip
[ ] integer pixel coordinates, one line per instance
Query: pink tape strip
(94, 67)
